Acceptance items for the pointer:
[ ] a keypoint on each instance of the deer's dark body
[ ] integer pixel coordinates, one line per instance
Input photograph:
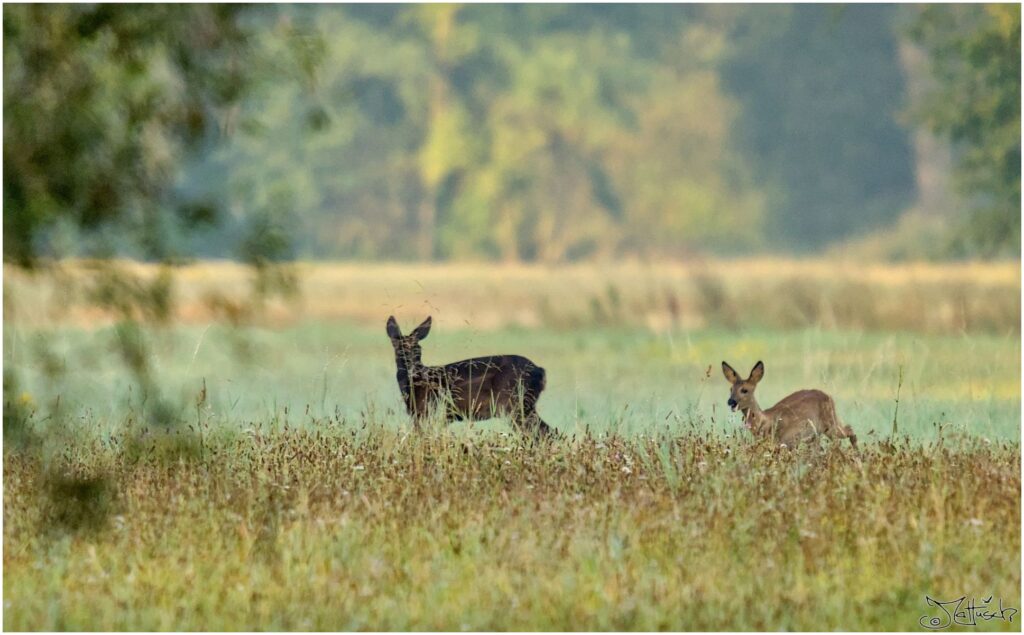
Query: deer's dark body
(471, 389)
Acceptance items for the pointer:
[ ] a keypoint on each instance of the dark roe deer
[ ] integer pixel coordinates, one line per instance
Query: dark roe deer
(472, 389)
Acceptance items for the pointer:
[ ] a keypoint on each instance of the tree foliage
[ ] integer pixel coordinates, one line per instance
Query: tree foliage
(974, 52)
(501, 132)
(498, 132)
(822, 88)
(100, 104)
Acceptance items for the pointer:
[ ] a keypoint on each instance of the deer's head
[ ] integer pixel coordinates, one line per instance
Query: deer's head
(407, 347)
(741, 395)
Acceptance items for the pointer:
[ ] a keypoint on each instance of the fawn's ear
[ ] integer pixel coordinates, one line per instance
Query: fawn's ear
(393, 331)
(757, 373)
(730, 375)
(422, 330)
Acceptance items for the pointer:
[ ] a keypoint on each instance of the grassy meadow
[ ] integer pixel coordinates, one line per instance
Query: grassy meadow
(292, 493)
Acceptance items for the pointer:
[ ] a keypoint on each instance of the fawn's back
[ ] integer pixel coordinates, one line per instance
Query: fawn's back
(799, 417)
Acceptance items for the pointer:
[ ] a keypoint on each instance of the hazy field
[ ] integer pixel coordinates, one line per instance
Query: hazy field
(729, 294)
(605, 379)
(292, 495)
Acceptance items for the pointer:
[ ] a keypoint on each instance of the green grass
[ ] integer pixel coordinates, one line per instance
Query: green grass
(296, 497)
(626, 380)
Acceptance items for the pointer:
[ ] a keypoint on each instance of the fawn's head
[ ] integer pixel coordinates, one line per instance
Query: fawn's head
(407, 347)
(741, 396)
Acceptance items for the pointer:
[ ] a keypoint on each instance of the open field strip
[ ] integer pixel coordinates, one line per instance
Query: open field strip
(728, 294)
(606, 379)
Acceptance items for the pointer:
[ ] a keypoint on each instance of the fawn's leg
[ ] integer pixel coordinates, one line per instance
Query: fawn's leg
(836, 426)
(848, 433)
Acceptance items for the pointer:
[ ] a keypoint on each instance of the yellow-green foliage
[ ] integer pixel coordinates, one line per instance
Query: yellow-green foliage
(371, 529)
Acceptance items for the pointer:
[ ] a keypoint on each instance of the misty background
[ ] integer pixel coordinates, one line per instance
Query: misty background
(536, 133)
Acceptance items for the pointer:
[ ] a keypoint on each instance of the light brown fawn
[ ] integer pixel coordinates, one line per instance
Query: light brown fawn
(799, 417)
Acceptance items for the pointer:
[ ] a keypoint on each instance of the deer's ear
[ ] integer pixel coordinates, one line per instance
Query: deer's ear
(422, 330)
(757, 373)
(730, 375)
(393, 331)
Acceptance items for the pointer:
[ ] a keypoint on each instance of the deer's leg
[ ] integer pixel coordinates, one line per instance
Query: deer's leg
(537, 381)
(533, 425)
(531, 421)
(848, 433)
(836, 427)
(519, 420)
(420, 408)
(525, 418)
(521, 399)
(417, 424)
(543, 430)
(414, 414)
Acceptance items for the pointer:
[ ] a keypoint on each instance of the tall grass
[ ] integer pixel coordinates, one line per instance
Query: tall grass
(343, 528)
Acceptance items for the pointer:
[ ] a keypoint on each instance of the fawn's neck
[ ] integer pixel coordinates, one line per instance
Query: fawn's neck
(753, 416)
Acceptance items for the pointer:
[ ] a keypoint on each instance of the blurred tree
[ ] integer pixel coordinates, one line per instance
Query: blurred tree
(682, 180)
(498, 132)
(975, 54)
(539, 181)
(100, 102)
(446, 149)
(519, 132)
(820, 88)
(103, 104)
(336, 157)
